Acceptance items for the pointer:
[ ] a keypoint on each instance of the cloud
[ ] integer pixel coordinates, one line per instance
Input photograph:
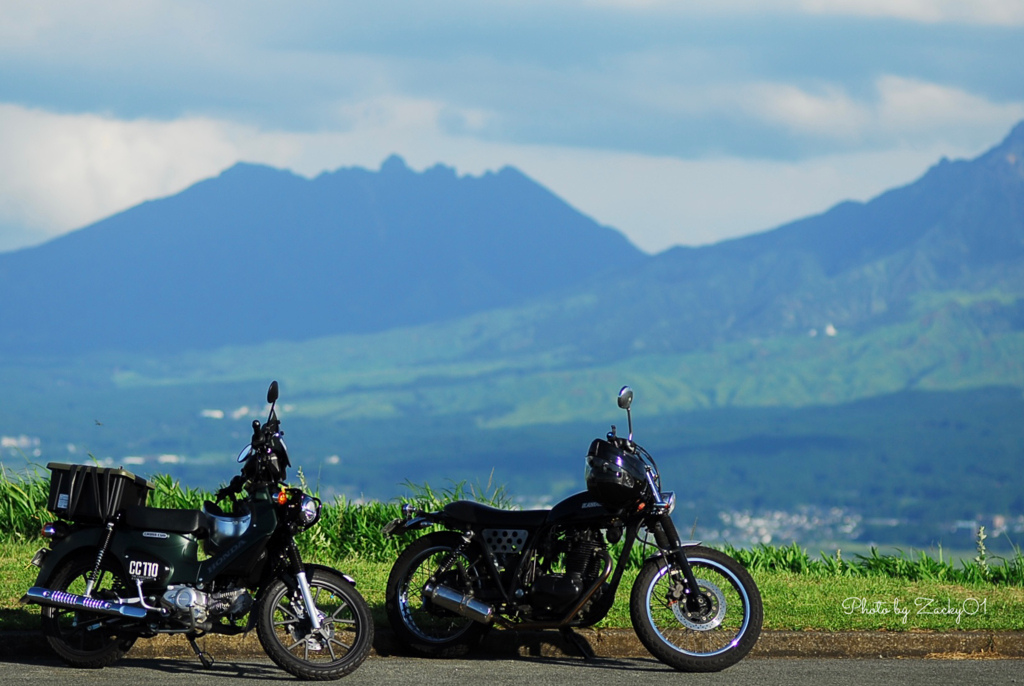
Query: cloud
(61, 171)
(900, 109)
(990, 12)
(981, 12)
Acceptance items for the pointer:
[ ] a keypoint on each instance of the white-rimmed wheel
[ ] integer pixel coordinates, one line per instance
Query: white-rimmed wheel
(708, 638)
(343, 640)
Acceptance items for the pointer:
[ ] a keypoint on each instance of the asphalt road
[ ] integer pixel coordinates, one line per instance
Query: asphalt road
(530, 672)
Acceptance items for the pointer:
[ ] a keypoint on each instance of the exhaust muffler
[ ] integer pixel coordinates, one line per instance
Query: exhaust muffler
(70, 601)
(460, 604)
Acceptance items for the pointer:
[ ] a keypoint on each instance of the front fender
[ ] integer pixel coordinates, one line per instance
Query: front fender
(310, 567)
(88, 540)
(682, 545)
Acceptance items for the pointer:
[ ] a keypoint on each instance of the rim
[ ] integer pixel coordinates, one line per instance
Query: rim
(724, 628)
(338, 632)
(427, 621)
(85, 632)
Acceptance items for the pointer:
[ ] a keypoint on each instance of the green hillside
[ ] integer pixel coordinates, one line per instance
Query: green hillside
(856, 375)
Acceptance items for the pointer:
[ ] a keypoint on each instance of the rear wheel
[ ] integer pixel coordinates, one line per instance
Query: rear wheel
(337, 648)
(419, 623)
(80, 637)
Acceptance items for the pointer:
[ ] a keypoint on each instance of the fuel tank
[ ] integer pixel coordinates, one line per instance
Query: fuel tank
(580, 509)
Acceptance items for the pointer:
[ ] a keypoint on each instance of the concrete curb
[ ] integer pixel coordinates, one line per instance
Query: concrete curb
(606, 643)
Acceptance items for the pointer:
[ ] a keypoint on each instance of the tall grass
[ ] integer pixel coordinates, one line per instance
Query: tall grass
(23, 504)
(1008, 571)
(353, 529)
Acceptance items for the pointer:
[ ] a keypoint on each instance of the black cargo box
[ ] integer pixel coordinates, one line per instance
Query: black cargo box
(92, 495)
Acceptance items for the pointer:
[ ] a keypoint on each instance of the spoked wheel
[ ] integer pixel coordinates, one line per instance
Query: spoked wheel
(715, 636)
(418, 622)
(82, 638)
(338, 647)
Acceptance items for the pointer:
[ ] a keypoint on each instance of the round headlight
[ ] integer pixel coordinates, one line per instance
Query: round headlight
(310, 510)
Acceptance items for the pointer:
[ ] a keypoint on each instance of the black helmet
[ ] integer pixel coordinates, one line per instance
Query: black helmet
(616, 478)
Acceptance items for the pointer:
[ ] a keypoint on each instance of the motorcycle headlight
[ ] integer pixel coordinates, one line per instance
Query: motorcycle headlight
(310, 509)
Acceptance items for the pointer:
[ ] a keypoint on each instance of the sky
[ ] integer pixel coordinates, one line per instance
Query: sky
(678, 123)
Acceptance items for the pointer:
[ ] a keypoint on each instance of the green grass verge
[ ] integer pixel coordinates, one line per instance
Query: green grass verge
(832, 593)
(791, 601)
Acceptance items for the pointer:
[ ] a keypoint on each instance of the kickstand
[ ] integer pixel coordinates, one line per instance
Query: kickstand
(579, 642)
(205, 658)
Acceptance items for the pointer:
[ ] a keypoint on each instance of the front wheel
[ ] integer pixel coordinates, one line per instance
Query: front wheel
(717, 636)
(334, 650)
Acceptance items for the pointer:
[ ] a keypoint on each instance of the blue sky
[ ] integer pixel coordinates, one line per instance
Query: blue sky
(675, 122)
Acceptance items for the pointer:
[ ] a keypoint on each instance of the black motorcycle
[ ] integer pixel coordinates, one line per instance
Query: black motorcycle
(694, 608)
(116, 570)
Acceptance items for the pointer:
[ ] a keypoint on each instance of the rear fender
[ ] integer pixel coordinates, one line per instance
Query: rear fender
(397, 527)
(84, 540)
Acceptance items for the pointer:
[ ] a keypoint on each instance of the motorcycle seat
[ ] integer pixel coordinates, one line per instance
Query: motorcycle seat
(485, 515)
(167, 520)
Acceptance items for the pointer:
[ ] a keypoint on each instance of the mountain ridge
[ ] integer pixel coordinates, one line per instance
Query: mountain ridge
(348, 251)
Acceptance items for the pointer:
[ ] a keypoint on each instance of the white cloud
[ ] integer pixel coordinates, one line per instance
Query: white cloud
(901, 109)
(59, 172)
(907, 105)
(992, 12)
(981, 12)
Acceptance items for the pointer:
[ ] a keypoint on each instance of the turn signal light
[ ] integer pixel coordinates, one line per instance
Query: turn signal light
(54, 530)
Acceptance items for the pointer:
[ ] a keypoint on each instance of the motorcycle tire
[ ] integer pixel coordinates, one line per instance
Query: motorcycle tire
(82, 638)
(418, 623)
(335, 650)
(708, 641)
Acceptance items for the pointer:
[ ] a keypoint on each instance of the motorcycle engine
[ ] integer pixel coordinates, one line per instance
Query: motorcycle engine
(187, 602)
(557, 591)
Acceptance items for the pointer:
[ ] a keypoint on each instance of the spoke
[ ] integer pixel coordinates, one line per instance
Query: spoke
(334, 614)
(287, 612)
(341, 643)
(301, 640)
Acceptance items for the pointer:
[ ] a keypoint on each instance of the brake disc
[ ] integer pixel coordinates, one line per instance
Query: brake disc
(708, 617)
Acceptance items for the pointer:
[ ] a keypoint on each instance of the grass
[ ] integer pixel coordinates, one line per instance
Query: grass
(832, 593)
(792, 601)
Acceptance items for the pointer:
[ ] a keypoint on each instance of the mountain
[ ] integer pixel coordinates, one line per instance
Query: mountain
(260, 254)
(866, 363)
(959, 229)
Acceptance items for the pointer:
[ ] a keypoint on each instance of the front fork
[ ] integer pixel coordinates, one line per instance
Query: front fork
(674, 549)
(300, 577)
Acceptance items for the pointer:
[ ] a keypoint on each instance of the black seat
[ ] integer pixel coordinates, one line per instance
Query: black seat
(485, 515)
(170, 521)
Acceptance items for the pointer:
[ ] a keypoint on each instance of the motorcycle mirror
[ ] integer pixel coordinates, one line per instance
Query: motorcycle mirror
(625, 397)
(625, 402)
(272, 393)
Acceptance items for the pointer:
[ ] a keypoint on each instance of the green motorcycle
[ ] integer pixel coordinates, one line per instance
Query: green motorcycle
(116, 570)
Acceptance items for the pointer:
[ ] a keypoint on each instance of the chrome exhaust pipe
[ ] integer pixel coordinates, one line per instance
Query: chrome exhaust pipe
(44, 596)
(460, 604)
